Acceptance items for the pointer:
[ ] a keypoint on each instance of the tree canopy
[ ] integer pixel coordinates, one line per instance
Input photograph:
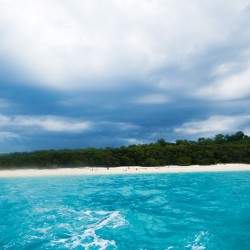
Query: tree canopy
(221, 149)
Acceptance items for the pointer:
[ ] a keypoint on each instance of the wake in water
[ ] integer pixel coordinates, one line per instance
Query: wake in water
(75, 229)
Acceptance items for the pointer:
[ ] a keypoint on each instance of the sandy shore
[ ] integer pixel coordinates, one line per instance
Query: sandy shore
(122, 170)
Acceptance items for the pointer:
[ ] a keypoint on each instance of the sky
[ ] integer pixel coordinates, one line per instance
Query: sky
(81, 73)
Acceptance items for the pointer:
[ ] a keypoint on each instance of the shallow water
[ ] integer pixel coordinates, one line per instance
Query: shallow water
(163, 211)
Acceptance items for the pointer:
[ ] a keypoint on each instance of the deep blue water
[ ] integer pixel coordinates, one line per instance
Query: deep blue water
(163, 211)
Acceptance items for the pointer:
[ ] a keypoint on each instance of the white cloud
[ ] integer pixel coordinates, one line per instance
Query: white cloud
(4, 120)
(116, 126)
(214, 125)
(7, 135)
(225, 68)
(152, 99)
(247, 131)
(68, 44)
(233, 86)
(45, 123)
(53, 124)
(4, 103)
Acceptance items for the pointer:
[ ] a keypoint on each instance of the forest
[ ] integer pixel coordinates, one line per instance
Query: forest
(205, 151)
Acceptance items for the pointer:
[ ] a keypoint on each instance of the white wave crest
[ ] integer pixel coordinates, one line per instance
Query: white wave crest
(86, 235)
(199, 241)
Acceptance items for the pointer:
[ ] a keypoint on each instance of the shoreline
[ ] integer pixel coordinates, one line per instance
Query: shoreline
(16, 173)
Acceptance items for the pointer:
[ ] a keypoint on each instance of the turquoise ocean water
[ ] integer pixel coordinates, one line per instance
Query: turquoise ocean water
(164, 211)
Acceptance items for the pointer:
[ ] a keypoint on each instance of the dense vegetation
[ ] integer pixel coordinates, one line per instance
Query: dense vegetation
(222, 149)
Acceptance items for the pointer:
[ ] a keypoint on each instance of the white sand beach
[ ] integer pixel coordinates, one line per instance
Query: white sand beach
(122, 170)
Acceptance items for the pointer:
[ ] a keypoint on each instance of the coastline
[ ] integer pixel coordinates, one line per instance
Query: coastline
(122, 170)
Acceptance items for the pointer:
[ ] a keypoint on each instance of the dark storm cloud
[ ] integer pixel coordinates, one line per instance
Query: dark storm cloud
(80, 73)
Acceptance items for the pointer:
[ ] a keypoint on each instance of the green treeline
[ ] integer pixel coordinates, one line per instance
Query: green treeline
(222, 149)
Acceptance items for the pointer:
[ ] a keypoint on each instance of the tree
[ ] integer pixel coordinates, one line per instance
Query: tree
(182, 142)
(219, 138)
(236, 137)
(161, 142)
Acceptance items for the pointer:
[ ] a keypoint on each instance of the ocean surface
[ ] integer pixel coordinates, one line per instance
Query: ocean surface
(162, 211)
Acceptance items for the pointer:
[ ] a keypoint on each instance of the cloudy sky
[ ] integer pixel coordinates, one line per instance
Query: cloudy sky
(90, 73)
